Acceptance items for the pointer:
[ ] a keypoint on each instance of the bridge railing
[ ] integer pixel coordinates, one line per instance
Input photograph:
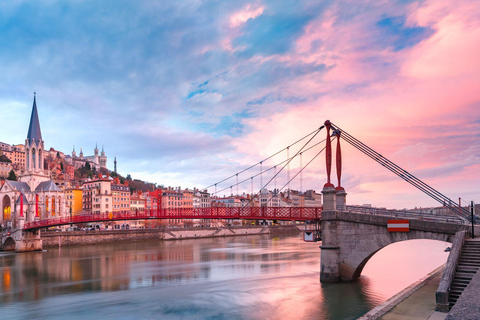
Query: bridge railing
(401, 214)
(246, 213)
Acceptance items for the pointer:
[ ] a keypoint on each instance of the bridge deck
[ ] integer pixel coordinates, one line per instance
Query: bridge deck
(247, 213)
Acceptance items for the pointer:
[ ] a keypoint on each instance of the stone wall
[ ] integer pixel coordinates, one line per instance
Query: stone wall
(70, 238)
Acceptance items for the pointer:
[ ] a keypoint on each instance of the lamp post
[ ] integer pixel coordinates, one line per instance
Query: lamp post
(473, 228)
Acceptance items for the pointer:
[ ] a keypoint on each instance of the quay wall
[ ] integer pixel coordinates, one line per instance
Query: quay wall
(73, 238)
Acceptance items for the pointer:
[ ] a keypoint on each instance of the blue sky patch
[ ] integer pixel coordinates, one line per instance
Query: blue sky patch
(395, 34)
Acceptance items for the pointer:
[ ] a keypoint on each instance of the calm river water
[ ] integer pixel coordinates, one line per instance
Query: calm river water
(246, 277)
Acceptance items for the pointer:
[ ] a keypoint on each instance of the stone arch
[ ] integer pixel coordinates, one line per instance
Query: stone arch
(6, 208)
(349, 240)
(397, 237)
(9, 244)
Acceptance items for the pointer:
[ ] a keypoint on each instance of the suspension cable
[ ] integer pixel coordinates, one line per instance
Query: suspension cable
(256, 164)
(288, 162)
(408, 177)
(268, 169)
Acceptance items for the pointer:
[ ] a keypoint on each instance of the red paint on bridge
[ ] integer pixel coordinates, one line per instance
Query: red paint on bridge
(248, 213)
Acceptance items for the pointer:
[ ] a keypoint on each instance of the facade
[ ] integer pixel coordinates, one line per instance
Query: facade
(73, 197)
(200, 199)
(137, 202)
(120, 196)
(16, 154)
(270, 198)
(229, 202)
(312, 199)
(97, 196)
(5, 168)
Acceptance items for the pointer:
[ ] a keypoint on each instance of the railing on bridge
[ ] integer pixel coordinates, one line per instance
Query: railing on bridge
(247, 213)
(402, 214)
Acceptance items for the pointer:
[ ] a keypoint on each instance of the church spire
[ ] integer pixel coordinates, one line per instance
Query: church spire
(34, 128)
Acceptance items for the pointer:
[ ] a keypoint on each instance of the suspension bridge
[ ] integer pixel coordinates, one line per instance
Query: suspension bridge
(351, 235)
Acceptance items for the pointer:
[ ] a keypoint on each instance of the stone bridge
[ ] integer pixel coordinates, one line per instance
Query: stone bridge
(349, 240)
(19, 240)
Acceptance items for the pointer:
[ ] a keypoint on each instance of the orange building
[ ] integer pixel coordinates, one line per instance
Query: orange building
(73, 197)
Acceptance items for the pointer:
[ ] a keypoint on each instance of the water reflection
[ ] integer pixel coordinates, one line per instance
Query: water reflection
(251, 277)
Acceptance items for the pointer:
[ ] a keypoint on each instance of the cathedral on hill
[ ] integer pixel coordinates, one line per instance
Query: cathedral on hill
(34, 195)
(96, 161)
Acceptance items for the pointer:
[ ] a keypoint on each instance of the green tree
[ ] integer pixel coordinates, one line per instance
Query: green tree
(4, 158)
(129, 177)
(12, 176)
(87, 166)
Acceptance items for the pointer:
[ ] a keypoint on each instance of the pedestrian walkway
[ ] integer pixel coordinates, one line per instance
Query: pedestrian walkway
(419, 305)
(417, 302)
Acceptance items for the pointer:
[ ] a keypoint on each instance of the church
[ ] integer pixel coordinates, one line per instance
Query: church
(34, 196)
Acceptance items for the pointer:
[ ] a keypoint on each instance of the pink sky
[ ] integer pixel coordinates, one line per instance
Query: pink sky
(424, 115)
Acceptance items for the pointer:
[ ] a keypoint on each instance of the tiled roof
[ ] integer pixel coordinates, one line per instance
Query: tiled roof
(47, 186)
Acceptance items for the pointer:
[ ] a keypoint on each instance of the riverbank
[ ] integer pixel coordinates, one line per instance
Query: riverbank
(75, 238)
(417, 301)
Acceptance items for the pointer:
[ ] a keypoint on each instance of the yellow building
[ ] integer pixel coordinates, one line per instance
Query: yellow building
(74, 200)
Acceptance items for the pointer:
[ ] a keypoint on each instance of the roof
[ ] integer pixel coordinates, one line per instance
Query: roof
(47, 186)
(25, 201)
(34, 128)
(17, 185)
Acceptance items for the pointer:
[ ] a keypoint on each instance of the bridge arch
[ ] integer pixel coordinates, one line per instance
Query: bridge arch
(350, 240)
(9, 244)
(359, 266)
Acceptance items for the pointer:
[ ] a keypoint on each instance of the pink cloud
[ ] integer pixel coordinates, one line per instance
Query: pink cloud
(421, 114)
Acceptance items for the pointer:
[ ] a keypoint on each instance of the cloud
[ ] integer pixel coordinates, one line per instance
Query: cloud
(192, 91)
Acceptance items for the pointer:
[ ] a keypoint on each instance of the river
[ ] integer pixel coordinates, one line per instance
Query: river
(243, 277)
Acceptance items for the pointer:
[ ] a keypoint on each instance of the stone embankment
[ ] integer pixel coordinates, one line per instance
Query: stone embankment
(72, 238)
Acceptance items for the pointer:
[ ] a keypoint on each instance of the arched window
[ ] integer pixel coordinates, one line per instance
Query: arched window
(53, 206)
(34, 159)
(6, 208)
(47, 207)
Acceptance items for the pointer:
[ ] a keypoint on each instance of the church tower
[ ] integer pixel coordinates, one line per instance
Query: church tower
(103, 159)
(34, 152)
(74, 154)
(34, 144)
(95, 157)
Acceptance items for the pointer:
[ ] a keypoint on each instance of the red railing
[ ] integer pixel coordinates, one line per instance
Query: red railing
(248, 213)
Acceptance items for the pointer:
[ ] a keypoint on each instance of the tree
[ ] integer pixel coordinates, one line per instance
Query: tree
(129, 177)
(12, 176)
(4, 158)
(87, 166)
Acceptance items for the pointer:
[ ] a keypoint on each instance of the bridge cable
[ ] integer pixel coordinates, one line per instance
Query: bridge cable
(445, 201)
(403, 174)
(270, 168)
(299, 172)
(256, 164)
(298, 152)
(409, 178)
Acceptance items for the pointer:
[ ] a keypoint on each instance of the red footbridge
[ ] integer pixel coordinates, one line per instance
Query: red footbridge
(246, 213)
